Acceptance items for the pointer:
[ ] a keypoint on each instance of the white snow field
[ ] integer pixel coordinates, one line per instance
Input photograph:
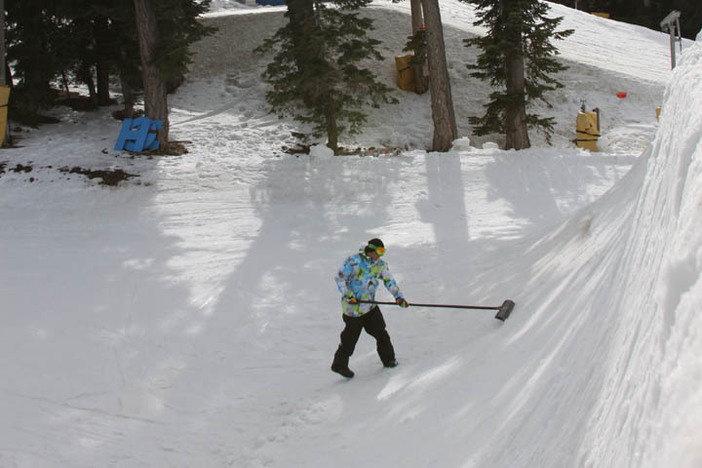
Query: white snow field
(188, 316)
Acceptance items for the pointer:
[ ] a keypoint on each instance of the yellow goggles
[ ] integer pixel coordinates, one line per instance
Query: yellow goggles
(379, 250)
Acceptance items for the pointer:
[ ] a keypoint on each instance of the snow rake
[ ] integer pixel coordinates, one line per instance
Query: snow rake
(503, 311)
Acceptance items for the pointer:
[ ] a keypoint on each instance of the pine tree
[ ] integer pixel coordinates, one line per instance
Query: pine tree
(32, 48)
(165, 29)
(77, 54)
(3, 78)
(315, 74)
(519, 60)
(178, 28)
(122, 49)
(155, 99)
(83, 40)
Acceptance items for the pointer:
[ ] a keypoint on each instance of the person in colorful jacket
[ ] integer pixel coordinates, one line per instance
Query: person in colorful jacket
(358, 280)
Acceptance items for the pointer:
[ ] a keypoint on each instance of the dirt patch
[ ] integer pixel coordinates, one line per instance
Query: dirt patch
(173, 148)
(19, 168)
(110, 177)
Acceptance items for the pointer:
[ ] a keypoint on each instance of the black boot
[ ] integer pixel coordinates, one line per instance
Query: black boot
(345, 371)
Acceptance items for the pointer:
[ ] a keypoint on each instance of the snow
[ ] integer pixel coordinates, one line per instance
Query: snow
(188, 316)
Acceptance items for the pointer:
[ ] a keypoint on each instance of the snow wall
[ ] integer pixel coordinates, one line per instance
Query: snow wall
(649, 409)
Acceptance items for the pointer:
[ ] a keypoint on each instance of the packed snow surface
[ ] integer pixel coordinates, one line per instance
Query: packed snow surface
(188, 316)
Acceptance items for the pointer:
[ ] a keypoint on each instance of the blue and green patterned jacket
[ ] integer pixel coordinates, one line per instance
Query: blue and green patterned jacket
(360, 276)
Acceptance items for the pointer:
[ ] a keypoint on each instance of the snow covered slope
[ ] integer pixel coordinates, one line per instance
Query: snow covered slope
(188, 317)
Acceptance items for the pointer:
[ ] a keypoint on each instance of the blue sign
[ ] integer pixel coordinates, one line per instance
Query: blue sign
(138, 135)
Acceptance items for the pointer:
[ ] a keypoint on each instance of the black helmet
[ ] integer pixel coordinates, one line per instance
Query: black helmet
(375, 245)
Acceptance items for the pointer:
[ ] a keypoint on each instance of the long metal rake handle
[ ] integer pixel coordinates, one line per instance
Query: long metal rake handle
(504, 310)
(446, 306)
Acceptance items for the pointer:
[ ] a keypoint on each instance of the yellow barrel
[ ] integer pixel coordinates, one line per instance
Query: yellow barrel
(4, 99)
(587, 130)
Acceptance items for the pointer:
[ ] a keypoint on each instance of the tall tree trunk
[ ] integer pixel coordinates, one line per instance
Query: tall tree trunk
(302, 18)
(34, 78)
(439, 84)
(102, 67)
(103, 83)
(417, 16)
(127, 96)
(421, 72)
(155, 97)
(332, 129)
(3, 78)
(516, 133)
(85, 74)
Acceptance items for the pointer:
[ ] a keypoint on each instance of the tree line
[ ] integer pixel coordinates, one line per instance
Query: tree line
(143, 43)
(647, 13)
(319, 72)
(316, 74)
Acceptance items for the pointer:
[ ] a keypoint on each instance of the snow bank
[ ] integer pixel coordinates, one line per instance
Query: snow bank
(649, 412)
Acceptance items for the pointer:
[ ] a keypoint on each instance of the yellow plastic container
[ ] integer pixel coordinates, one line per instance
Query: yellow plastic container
(587, 130)
(405, 72)
(4, 99)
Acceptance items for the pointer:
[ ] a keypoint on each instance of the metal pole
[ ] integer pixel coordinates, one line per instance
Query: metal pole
(672, 46)
(671, 22)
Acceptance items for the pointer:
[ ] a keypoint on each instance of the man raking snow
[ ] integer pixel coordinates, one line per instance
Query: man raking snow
(358, 280)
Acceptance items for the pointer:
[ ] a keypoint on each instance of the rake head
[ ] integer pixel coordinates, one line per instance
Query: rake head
(505, 310)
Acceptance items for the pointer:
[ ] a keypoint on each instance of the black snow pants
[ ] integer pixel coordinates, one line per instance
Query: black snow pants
(374, 324)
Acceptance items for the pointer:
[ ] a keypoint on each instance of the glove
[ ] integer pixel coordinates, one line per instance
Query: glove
(402, 302)
(351, 299)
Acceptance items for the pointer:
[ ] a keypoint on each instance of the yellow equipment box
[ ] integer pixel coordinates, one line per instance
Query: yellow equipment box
(587, 130)
(405, 72)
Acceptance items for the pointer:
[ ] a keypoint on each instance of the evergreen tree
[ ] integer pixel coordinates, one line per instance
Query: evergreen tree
(84, 40)
(33, 48)
(519, 58)
(122, 49)
(315, 74)
(178, 28)
(155, 99)
(77, 54)
(91, 43)
(3, 77)
(165, 29)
